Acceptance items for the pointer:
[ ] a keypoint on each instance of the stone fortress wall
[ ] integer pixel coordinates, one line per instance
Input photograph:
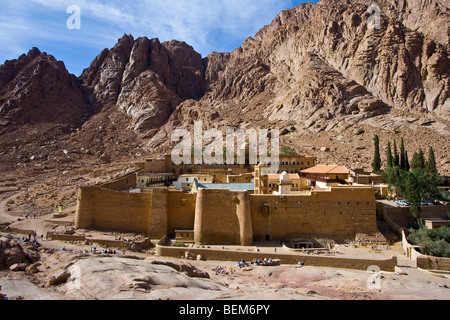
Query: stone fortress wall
(104, 209)
(220, 216)
(338, 214)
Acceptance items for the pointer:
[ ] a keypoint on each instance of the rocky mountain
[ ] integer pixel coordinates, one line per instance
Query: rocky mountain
(321, 72)
(318, 64)
(146, 79)
(327, 74)
(36, 88)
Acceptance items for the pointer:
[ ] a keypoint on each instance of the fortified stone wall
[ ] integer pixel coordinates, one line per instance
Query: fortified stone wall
(224, 217)
(181, 211)
(158, 214)
(125, 182)
(309, 260)
(403, 217)
(216, 218)
(109, 210)
(339, 214)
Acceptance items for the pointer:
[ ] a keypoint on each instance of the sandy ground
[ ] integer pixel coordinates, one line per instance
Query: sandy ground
(115, 277)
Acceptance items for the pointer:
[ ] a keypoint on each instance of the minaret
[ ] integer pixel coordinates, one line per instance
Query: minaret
(285, 183)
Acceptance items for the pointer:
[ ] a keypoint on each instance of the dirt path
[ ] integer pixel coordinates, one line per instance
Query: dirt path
(5, 217)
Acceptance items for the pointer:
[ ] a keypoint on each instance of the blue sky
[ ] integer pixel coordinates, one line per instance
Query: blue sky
(207, 25)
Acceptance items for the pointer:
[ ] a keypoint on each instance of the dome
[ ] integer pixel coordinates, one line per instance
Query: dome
(284, 178)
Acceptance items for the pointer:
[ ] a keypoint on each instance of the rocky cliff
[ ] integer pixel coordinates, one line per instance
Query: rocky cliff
(319, 64)
(36, 88)
(146, 79)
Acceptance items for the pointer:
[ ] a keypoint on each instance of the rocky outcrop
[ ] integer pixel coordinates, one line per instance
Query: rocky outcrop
(12, 253)
(36, 88)
(146, 79)
(320, 64)
(186, 268)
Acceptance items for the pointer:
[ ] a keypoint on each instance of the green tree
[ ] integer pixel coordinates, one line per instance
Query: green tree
(390, 159)
(396, 155)
(407, 165)
(402, 155)
(418, 161)
(286, 150)
(376, 163)
(431, 163)
(432, 242)
(412, 193)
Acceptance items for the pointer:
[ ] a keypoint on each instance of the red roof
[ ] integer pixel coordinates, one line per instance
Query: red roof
(292, 176)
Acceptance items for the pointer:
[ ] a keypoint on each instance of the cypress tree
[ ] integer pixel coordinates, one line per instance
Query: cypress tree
(396, 155)
(376, 163)
(408, 167)
(402, 156)
(418, 160)
(431, 163)
(390, 159)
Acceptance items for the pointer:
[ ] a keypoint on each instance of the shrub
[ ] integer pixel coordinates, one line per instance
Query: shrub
(432, 242)
(180, 244)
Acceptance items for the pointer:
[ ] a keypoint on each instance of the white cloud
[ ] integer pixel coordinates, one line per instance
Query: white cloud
(187, 20)
(207, 25)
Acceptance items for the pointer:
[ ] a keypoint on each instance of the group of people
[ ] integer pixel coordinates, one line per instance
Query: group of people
(261, 261)
(31, 215)
(105, 251)
(32, 238)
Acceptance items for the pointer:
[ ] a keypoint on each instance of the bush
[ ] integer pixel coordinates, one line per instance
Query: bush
(180, 244)
(439, 248)
(286, 150)
(432, 242)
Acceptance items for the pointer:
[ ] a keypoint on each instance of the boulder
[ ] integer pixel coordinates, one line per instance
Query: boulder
(33, 268)
(59, 278)
(11, 252)
(18, 267)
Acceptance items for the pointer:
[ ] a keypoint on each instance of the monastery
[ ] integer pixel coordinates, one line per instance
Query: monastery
(231, 204)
